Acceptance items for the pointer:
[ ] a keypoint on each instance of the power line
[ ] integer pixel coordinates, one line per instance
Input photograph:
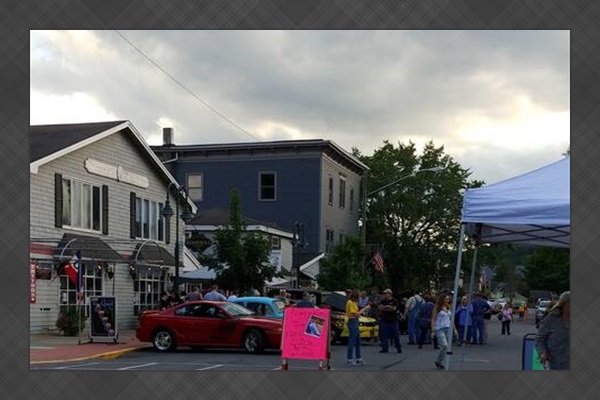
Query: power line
(211, 108)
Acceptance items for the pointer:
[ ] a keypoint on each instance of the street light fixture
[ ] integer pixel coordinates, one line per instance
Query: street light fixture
(432, 169)
(186, 216)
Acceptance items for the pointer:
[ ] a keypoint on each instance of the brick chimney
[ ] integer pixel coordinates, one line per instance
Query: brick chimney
(167, 136)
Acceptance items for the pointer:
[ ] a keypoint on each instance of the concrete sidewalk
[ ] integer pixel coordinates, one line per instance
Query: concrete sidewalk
(52, 347)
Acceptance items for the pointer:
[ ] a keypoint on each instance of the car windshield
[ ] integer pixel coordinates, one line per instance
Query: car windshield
(279, 305)
(543, 304)
(237, 310)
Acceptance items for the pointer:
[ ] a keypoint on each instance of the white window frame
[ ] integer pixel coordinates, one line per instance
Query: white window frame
(195, 189)
(260, 187)
(275, 243)
(142, 211)
(147, 299)
(91, 275)
(69, 199)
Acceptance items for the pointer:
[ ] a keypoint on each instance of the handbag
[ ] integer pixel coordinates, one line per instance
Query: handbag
(499, 316)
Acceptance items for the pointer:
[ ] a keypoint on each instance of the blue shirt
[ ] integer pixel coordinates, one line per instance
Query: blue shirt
(214, 296)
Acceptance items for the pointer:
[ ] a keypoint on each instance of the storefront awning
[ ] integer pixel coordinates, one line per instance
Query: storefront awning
(152, 254)
(91, 248)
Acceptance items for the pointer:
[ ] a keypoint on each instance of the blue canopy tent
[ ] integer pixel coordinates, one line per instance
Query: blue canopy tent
(533, 208)
(529, 209)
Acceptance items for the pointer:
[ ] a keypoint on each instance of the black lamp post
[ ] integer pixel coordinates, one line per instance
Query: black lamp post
(186, 216)
(299, 241)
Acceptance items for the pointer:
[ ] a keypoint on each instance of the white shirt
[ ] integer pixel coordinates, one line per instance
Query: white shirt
(443, 320)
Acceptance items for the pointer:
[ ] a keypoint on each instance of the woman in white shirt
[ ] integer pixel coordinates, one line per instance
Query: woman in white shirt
(442, 327)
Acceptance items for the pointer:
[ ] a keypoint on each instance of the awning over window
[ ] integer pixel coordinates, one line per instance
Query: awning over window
(91, 248)
(152, 254)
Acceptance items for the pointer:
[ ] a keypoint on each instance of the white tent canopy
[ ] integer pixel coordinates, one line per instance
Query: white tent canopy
(532, 209)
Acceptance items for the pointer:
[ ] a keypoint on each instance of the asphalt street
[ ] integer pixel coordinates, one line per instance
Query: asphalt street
(501, 353)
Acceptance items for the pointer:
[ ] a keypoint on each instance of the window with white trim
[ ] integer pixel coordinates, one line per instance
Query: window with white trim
(267, 186)
(147, 288)
(195, 186)
(275, 243)
(149, 222)
(81, 205)
(92, 281)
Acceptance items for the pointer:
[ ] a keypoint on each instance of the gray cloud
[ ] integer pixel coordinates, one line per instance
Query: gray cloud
(354, 87)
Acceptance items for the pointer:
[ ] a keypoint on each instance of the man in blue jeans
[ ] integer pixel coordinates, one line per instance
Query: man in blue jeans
(480, 307)
(388, 326)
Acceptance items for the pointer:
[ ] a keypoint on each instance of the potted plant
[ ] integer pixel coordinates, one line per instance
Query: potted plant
(69, 319)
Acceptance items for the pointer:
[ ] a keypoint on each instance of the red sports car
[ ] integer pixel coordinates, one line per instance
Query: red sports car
(201, 324)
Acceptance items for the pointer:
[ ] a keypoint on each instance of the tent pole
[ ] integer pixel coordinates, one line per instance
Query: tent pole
(456, 278)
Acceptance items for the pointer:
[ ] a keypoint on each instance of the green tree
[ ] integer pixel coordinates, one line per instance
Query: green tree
(344, 268)
(241, 258)
(417, 220)
(548, 269)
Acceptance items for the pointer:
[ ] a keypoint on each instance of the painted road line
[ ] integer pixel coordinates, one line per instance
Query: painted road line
(211, 367)
(76, 366)
(473, 360)
(40, 347)
(137, 366)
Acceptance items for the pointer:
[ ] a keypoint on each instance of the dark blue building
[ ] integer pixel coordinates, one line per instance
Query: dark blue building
(313, 182)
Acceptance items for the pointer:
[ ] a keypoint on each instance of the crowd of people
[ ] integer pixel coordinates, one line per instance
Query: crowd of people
(426, 318)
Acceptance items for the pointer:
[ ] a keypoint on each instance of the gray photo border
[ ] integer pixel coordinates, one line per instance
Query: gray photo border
(17, 17)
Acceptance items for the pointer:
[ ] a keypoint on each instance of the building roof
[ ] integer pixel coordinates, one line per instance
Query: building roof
(50, 142)
(328, 147)
(220, 216)
(46, 140)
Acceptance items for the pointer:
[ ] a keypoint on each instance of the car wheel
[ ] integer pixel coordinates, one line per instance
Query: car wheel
(163, 340)
(254, 341)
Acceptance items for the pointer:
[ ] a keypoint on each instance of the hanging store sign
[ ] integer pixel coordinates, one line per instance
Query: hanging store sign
(118, 173)
(32, 293)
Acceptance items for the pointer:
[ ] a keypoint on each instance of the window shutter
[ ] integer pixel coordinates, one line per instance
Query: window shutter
(132, 215)
(58, 200)
(104, 209)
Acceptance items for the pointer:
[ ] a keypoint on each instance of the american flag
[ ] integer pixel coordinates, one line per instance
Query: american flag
(378, 261)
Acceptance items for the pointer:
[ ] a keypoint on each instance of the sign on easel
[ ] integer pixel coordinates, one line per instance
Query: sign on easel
(305, 333)
(103, 318)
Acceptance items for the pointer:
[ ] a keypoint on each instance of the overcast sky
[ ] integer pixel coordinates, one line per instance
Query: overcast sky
(497, 100)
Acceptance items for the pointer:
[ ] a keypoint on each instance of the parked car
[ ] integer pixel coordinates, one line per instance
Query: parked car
(541, 311)
(202, 323)
(367, 326)
(265, 306)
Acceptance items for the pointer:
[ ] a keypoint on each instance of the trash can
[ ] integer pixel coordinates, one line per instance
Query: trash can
(530, 357)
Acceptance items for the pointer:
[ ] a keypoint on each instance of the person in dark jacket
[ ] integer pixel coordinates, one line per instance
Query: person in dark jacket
(553, 338)
(480, 307)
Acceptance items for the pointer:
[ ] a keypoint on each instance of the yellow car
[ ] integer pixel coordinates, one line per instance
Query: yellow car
(367, 326)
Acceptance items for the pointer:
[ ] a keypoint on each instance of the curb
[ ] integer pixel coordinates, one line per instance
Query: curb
(111, 355)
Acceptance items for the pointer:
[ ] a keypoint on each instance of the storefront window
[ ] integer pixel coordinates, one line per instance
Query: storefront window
(147, 288)
(92, 279)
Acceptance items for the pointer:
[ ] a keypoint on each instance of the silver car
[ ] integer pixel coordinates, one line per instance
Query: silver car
(541, 311)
